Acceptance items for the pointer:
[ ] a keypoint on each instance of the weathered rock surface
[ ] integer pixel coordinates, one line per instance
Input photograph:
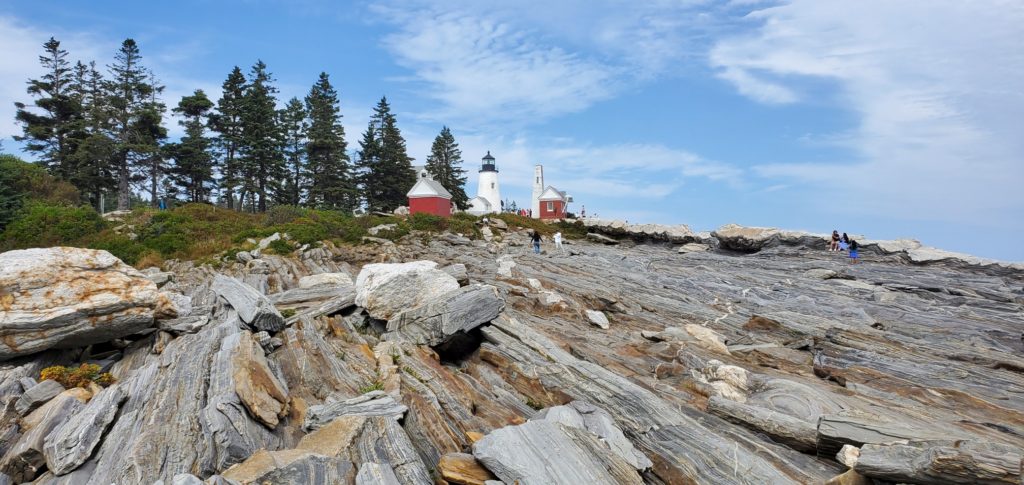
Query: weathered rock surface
(252, 307)
(69, 445)
(457, 312)
(25, 458)
(330, 279)
(601, 238)
(598, 318)
(884, 354)
(37, 395)
(387, 289)
(545, 452)
(71, 297)
(463, 469)
(641, 232)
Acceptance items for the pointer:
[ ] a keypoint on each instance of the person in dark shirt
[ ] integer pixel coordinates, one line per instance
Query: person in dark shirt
(853, 250)
(536, 241)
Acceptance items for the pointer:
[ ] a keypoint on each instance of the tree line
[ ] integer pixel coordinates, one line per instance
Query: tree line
(104, 133)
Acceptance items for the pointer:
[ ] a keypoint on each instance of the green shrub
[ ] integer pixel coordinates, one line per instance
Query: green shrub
(117, 244)
(80, 376)
(22, 181)
(428, 222)
(283, 214)
(42, 225)
(280, 246)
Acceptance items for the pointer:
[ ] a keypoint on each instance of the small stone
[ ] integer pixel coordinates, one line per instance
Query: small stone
(463, 469)
(262, 338)
(598, 318)
(848, 455)
(243, 256)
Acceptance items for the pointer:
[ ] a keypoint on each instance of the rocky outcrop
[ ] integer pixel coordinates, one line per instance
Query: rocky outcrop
(679, 234)
(253, 308)
(68, 446)
(457, 312)
(943, 462)
(328, 279)
(752, 239)
(373, 403)
(71, 297)
(385, 290)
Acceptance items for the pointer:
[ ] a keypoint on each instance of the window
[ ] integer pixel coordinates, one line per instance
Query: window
(538, 180)
(492, 185)
(551, 207)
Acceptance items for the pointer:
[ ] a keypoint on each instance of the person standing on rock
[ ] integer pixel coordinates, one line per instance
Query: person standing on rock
(583, 212)
(558, 241)
(844, 242)
(536, 242)
(835, 241)
(853, 251)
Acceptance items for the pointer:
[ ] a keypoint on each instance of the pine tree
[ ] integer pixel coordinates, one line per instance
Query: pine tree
(49, 133)
(227, 122)
(262, 160)
(293, 128)
(386, 168)
(331, 182)
(92, 159)
(134, 121)
(192, 171)
(443, 164)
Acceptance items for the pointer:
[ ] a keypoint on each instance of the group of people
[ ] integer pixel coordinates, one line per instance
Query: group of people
(535, 239)
(844, 243)
(524, 212)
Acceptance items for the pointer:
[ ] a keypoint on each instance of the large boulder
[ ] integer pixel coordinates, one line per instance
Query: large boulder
(384, 289)
(641, 232)
(457, 312)
(252, 307)
(70, 297)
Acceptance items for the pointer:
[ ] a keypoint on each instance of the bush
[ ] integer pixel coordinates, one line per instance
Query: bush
(428, 222)
(119, 245)
(21, 181)
(79, 376)
(283, 214)
(280, 246)
(41, 225)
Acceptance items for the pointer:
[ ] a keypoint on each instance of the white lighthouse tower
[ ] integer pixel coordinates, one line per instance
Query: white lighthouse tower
(538, 189)
(487, 183)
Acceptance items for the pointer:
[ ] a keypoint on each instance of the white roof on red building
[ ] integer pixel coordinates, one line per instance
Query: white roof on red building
(426, 187)
(551, 193)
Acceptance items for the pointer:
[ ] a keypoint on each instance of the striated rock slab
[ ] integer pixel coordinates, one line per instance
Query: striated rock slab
(37, 395)
(373, 403)
(253, 308)
(752, 239)
(290, 467)
(70, 297)
(641, 232)
(457, 312)
(942, 462)
(385, 290)
(25, 458)
(375, 474)
(72, 443)
(545, 452)
(601, 238)
(384, 441)
(583, 415)
(261, 392)
(463, 469)
(793, 432)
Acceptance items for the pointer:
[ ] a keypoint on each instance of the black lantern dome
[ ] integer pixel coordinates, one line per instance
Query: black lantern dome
(488, 165)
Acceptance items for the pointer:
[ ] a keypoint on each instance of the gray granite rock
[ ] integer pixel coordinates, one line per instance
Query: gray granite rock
(375, 474)
(456, 312)
(373, 403)
(69, 445)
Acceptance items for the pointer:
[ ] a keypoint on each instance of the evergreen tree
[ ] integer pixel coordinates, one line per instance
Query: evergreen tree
(386, 168)
(92, 159)
(48, 129)
(134, 117)
(331, 183)
(227, 122)
(443, 164)
(293, 128)
(151, 133)
(192, 171)
(262, 161)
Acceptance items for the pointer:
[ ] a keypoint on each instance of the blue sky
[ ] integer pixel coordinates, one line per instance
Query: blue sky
(888, 119)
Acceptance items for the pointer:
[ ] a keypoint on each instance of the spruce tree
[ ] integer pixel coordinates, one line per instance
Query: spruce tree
(47, 127)
(92, 158)
(134, 122)
(151, 133)
(262, 160)
(444, 164)
(386, 167)
(331, 183)
(227, 122)
(293, 129)
(192, 171)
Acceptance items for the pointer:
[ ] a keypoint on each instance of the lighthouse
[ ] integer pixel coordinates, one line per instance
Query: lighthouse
(538, 189)
(487, 183)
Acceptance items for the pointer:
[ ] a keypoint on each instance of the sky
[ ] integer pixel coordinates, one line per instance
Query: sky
(879, 118)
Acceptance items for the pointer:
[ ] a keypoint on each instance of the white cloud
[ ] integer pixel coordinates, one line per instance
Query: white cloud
(936, 85)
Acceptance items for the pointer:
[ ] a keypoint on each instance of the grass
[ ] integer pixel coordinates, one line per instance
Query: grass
(373, 386)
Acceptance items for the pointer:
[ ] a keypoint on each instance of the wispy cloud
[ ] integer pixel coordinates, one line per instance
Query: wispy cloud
(936, 85)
